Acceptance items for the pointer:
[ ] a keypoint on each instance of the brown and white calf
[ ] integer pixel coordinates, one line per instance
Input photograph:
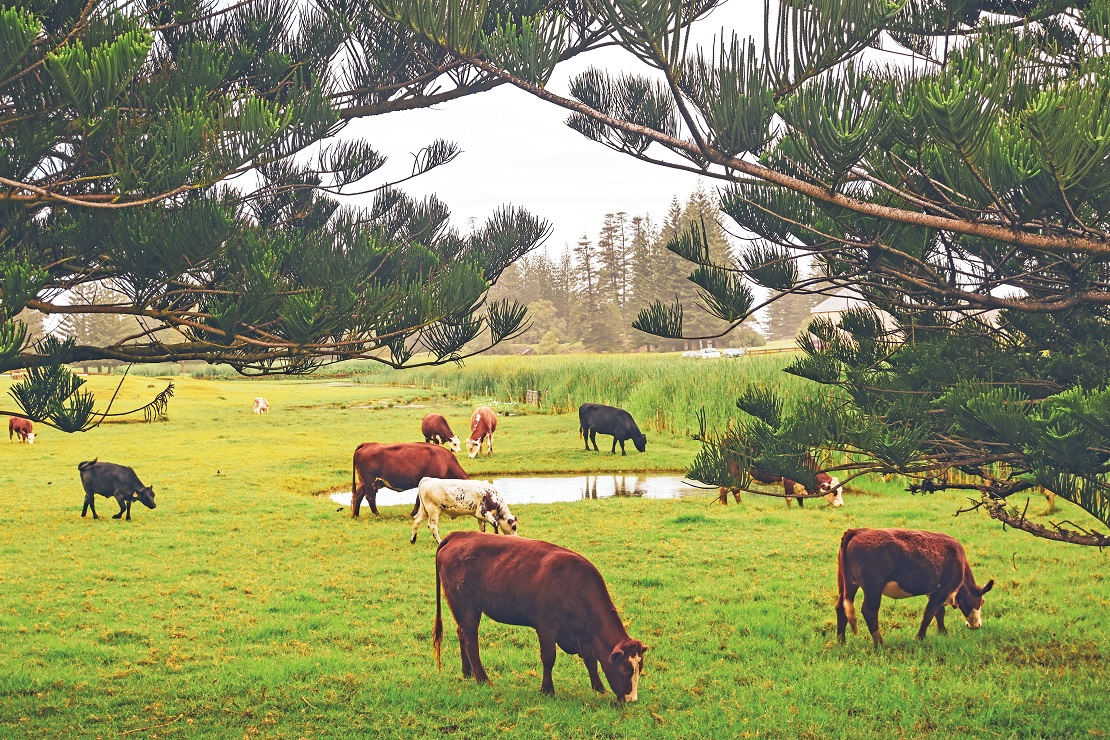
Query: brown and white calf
(901, 563)
(21, 429)
(828, 487)
(261, 405)
(455, 498)
(535, 584)
(435, 429)
(482, 426)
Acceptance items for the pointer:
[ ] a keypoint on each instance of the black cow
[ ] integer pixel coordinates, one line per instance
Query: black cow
(116, 481)
(595, 419)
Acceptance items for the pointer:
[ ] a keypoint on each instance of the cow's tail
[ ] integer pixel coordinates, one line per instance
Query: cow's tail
(354, 474)
(842, 578)
(437, 627)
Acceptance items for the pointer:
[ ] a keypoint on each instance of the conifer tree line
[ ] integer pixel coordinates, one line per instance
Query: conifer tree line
(587, 297)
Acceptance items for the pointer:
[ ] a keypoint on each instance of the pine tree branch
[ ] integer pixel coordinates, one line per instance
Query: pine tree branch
(1023, 235)
(997, 510)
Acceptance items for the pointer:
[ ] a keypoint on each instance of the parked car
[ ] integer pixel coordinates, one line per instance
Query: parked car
(734, 352)
(706, 353)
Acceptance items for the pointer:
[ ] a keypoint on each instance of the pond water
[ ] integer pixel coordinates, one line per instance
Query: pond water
(544, 490)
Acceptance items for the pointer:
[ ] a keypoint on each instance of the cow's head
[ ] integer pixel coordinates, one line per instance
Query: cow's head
(145, 496)
(497, 513)
(472, 447)
(640, 440)
(623, 667)
(30, 438)
(969, 600)
(454, 445)
(832, 490)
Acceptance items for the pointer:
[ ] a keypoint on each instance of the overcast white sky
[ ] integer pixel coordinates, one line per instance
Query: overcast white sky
(517, 150)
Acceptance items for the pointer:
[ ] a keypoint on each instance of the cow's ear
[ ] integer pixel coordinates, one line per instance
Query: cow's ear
(988, 587)
(134, 494)
(616, 655)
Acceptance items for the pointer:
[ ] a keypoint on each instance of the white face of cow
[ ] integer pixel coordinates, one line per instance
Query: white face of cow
(31, 438)
(833, 491)
(506, 522)
(623, 669)
(472, 447)
(453, 443)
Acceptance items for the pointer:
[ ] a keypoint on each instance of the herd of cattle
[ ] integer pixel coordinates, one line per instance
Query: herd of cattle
(557, 592)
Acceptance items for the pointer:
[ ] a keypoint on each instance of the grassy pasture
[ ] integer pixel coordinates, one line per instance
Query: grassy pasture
(244, 607)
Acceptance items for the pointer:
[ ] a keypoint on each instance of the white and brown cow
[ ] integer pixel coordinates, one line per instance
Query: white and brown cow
(21, 429)
(261, 405)
(827, 486)
(901, 563)
(435, 429)
(482, 426)
(457, 498)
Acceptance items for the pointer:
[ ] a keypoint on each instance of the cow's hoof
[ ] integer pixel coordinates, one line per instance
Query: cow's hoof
(117, 516)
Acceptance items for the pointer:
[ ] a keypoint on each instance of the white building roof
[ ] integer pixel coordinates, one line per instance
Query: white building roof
(840, 302)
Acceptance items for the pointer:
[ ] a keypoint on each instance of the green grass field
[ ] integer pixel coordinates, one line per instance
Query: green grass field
(244, 606)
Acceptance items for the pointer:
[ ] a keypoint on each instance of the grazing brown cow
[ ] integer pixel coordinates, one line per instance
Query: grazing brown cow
(435, 429)
(397, 466)
(901, 563)
(21, 429)
(482, 426)
(828, 486)
(534, 584)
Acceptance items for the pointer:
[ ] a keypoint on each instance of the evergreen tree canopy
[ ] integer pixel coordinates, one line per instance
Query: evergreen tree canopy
(963, 190)
(181, 154)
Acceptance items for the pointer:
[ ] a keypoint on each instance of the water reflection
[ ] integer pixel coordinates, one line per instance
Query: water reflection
(542, 490)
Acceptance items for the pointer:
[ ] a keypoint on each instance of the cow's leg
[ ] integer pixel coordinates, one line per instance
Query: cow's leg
(595, 680)
(491, 443)
(593, 438)
(932, 609)
(433, 524)
(356, 500)
(128, 509)
(940, 621)
(547, 657)
(468, 644)
(872, 599)
(90, 503)
(372, 498)
(122, 507)
(846, 611)
(586, 437)
(614, 450)
(421, 515)
(482, 525)
(623, 453)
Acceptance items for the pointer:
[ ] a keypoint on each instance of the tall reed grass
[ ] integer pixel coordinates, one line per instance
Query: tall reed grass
(663, 392)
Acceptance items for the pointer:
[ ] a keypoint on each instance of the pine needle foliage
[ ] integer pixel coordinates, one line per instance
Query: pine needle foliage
(183, 154)
(958, 183)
